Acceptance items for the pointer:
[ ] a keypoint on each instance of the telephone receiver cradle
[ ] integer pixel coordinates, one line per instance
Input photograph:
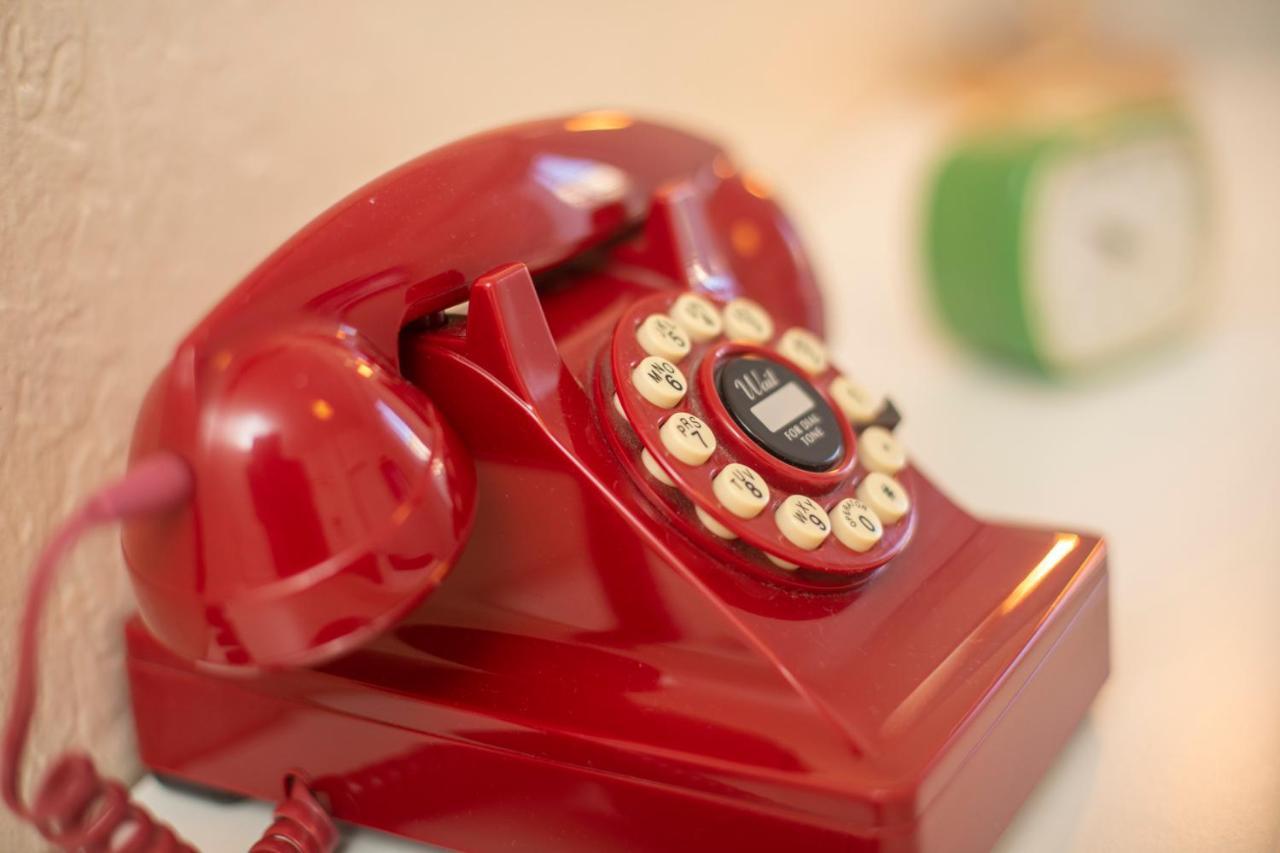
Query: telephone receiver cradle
(478, 593)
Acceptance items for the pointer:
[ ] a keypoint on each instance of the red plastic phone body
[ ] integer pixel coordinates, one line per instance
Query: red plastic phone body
(596, 671)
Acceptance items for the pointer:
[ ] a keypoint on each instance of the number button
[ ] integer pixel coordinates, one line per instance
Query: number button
(688, 438)
(741, 490)
(661, 336)
(745, 320)
(880, 451)
(856, 525)
(804, 523)
(859, 405)
(885, 495)
(697, 316)
(805, 349)
(659, 381)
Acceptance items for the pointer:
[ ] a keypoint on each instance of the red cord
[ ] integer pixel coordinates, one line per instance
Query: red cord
(74, 807)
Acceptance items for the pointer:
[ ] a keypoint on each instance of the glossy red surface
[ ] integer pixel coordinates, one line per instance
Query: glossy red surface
(595, 670)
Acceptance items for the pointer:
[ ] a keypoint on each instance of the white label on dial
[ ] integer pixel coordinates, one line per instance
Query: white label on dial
(782, 406)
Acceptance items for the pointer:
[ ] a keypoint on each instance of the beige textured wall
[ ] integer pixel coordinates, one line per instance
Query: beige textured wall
(150, 154)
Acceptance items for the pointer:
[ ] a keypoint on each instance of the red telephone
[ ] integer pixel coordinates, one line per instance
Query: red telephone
(533, 512)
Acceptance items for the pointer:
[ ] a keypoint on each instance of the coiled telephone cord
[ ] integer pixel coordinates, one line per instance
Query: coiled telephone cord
(74, 807)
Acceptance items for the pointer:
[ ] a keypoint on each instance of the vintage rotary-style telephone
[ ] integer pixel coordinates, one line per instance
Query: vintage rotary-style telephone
(527, 505)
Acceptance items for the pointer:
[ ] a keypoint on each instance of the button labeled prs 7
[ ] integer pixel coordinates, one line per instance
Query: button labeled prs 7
(661, 336)
(687, 438)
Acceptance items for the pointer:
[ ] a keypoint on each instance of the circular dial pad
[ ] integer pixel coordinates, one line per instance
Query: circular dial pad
(748, 434)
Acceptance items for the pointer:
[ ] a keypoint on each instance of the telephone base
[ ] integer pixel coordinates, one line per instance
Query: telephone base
(485, 782)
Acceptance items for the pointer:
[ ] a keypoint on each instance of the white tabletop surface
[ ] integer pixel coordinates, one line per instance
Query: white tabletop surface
(1175, 459)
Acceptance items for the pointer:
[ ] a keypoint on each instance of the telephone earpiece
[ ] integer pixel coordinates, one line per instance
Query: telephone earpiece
(330, 496)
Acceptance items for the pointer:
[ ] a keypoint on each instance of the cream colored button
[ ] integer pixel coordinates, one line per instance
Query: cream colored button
(885, 495)
(741, 490)
(856, 525)
(786, 565)
(714, 526)
(745, 320)
(659, 381)
(859, 405)
(804, 348)
(802, 521)
(651, 465)
(660, 335)
(880, 451)
(617, 404)
(697, 316)
(688, 438)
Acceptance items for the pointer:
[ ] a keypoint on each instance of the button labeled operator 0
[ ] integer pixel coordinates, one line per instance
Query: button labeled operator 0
(880, 451)
(804, 523)
(741, 490)
(745, 320)
(885, 496)
(856, 525)
(697, 316)
(661, 336)
(687, 438)
(805, 349)
(859, 405)
(659, 381)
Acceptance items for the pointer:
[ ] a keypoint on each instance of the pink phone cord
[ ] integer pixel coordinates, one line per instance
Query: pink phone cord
(74, 807)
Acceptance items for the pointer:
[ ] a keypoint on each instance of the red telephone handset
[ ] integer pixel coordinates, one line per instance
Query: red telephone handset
(697, 591)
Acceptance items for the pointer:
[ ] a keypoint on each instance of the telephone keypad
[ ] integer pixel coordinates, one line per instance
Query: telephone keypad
(745, 320)
(885, 495)
(688, 438)
(805, 349)
(760, 443)
(661, 336)
(856, 525)
(660, 382)
(697, 316)
(741, 490)
(858, 404)
(881, 451)
(805, 524)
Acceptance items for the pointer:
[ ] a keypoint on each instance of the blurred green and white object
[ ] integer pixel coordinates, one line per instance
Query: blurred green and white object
(1066, 220)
